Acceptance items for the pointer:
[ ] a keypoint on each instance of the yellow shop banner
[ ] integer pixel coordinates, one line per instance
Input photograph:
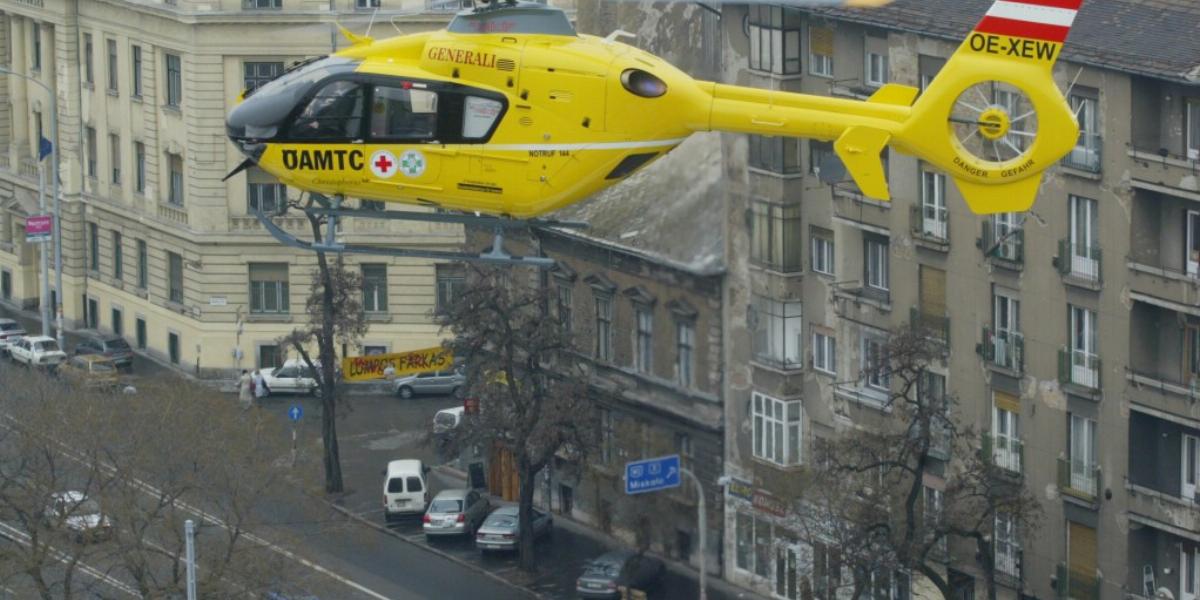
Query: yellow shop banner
(360, 368)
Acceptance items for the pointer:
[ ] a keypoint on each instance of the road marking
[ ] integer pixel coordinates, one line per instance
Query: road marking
(22, 538)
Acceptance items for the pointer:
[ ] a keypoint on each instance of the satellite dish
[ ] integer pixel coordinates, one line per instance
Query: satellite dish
(831, 170)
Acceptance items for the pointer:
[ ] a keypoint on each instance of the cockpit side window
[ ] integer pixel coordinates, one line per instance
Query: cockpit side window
(403, 114)
(335, 112)
(478, 116)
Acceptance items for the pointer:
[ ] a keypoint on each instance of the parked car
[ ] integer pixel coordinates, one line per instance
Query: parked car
(10, 331)
(440, 382)
(37, 351)
(92, 371)
(455, 512)
(404, 489)
(603, 576)
(79, 515)
(106, 344)
(293, 377)
(447, 419)
(500, 529)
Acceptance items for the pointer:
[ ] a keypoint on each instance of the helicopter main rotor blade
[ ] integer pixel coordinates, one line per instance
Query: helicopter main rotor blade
(797, 3)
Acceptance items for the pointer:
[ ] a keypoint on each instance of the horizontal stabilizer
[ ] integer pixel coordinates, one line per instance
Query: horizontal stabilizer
(861, 150)
(894, 93)
(988, 199)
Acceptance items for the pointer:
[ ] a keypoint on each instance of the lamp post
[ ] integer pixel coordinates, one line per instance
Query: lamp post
(57, 233)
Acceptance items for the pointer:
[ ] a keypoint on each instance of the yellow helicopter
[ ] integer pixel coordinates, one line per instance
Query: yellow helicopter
(509, 114)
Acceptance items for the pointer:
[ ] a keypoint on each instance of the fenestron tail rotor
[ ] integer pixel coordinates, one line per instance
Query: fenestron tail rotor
(994, 122)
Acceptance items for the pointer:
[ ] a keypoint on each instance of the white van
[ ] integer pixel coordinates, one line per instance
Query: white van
(404, 489)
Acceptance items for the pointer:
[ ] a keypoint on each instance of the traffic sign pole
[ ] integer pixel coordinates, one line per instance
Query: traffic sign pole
(294, 413)
(664, 473)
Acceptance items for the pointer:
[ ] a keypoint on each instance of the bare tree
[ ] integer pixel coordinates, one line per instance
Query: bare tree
(869, 496)
(521, 364)
(335, 316)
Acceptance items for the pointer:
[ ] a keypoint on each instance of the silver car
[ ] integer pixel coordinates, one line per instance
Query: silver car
(500, 529)
(455, 512)
(440, 382)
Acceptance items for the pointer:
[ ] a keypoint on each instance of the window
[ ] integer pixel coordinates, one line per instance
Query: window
(267, 197)
(1008, 546)
(875, 365)
(819, 155)
(89, 76)
(174, 91)
(1192, 123)
(135, 71)
(90, 132)
(175, 189)
(114, 157)
(825, 353)
(255, 74)
(685, 350)
(36, 57)
(604, 319)
(775, 154)
(775, 236)
(1083, 454)
(118, 322)
(269, 288)
(1192, 258)
(479, 114)
(928, 67)
(143, 265)
(451, 279)
(335, 112)
(1006, 235)
(1084, 248)
(932, 511)
(820, 51)
(607, 435)
(1086, 155)
(374, 288)
(1191, 353)
(1189, 572)
(118, 256)
(777, 331)
(262, 4)
(403, 114)
(1191, 466)
(876, 263)
(1006, 431)
(934, 215)
(643, 346)
(876, 70)
(111, 46)
(777, 430)
(774, 39)
(173, 348)
(175, 278)
(139, 327)
(822, 255)
(139, 166)
(683, 447)
(1085, 363)
(93, 247)
(269, 357)
(366, 3)
(562, 304)
(1007, 343)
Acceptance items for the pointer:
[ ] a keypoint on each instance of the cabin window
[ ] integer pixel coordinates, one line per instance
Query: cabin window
(334, 113)
(409, 114)
(478, 116)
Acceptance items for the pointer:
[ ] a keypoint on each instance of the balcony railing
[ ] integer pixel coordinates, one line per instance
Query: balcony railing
(1009, 247)
(1079, 368)
(1087, 154)
(1005, 349)
(1079, 261)
(935, 326)
(1008, 566)
(1074, 586)
(929, 226)
(1004, 452)
(1079, 479)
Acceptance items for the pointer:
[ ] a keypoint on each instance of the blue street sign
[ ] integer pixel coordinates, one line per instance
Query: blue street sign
(295, 412)
(652, 474)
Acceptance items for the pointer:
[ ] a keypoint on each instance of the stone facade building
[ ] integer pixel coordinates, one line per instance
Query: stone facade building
(155, 246)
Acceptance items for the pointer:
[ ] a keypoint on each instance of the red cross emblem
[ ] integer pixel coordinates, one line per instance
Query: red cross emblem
(383, 164)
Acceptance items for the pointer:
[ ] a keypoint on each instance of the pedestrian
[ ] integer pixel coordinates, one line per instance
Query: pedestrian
(244, 386)
(260, 385)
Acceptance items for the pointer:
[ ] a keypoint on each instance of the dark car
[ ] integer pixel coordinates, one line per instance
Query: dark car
(10, 331)
(109, 345)
(604, 576)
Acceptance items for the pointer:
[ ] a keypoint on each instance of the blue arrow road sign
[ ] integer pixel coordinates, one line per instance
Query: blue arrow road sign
(652, 474)
(295, 412)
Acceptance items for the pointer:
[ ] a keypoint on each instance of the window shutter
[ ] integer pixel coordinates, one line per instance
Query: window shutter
(933, 291)
(1006, 401)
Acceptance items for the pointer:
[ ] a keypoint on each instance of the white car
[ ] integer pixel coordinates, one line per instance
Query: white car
(79, 515)
(293, 377)
(37, 351)
(10, 332)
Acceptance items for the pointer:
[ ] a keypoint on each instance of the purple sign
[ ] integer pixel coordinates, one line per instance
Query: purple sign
(38, 228)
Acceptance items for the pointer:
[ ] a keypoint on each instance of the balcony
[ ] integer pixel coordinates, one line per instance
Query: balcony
(1003, 349)
(1004, 452)
(1007, 566)
(1079, 368)
(936, 327)
(1008, 251)
(1074, 586)
(929, 230)
(1079, 264)
(1156, 168)
(1087, 154)
(1079, 480)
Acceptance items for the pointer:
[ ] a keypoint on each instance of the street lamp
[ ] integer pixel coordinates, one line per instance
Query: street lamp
(57, 233)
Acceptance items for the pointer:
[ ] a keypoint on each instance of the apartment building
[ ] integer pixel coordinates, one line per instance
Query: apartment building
(156, 247)
(1071, 330)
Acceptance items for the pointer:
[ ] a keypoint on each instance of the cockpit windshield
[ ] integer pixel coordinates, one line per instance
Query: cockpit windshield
(519, 19)
(259, 115)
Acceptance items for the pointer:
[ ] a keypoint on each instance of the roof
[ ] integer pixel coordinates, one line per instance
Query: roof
(406, 465)
(453, 494)
(1156, 38)
(670, 212)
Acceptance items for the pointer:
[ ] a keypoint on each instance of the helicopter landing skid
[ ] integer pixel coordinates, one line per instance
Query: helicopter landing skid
(494, 255)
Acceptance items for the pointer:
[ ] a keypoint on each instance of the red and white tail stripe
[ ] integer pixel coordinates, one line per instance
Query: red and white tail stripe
(1048, 20)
